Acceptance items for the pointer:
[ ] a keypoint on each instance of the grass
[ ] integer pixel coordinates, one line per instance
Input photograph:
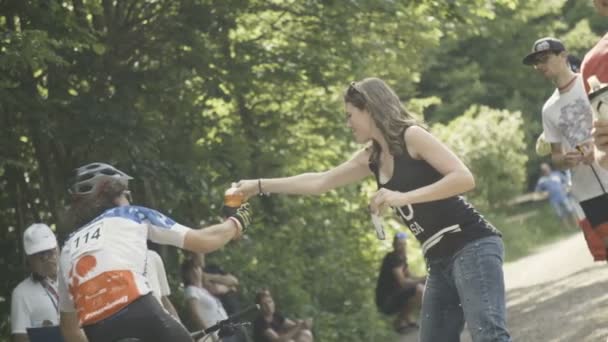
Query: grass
(527, 226)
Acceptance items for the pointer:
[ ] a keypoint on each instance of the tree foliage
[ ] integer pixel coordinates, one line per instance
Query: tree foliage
(492, 143)
(482, 64)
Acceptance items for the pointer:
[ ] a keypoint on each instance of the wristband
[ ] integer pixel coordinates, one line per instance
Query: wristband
(239, 227)
(260, 192)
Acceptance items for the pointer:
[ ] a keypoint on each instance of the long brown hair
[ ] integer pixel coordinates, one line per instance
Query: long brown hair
(389, 115)
(84, 209)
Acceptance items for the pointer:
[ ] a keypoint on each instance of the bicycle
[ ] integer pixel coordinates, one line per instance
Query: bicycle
(226, 327)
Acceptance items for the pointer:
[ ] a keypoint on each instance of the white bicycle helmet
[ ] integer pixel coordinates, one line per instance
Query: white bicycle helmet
(88, 178)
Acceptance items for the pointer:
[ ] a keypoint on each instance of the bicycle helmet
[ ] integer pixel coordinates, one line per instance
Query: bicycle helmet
(89, 177)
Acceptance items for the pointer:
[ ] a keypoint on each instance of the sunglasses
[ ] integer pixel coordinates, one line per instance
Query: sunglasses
(543, 58)
(352, 89)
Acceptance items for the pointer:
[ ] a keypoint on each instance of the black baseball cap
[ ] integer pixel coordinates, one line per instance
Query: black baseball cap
(543, 45)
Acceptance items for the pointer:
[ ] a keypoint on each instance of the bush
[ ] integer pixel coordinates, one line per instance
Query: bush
(491, 143)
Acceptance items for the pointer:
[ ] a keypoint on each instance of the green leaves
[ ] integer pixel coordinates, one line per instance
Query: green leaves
(491, 142)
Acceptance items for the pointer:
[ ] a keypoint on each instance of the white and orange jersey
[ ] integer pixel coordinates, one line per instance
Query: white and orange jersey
(102, 265)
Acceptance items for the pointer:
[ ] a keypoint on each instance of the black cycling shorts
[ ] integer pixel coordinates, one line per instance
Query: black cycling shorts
(144, 319)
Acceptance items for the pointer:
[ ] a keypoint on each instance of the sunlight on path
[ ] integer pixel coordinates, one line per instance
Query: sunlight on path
(557, 294)
(551, 262)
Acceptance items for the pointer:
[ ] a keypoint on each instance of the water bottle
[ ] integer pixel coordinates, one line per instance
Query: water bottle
(377, 222)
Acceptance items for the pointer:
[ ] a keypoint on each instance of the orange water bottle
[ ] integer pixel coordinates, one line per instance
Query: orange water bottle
(233, 198)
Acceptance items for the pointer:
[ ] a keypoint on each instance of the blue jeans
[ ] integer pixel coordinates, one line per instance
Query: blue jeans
(467, 286)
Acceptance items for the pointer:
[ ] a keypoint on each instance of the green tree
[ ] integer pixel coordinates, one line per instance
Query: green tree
(481, 64)
(491, 143)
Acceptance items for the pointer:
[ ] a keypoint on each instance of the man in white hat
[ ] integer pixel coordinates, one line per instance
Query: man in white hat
(34, 301)
(567, 118)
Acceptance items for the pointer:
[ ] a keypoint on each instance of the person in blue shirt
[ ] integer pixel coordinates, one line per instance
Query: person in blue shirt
(553, 184)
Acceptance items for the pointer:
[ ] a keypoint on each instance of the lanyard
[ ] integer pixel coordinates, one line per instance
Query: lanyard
(51, 293)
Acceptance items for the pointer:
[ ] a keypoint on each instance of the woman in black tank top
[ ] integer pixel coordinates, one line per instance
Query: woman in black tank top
(422, 180)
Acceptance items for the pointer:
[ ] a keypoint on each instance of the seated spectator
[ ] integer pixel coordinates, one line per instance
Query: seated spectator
(271, 326)
(397, 291)
(221, 284)
(554, 184)
(157, 279)
(204, 308)
(34, 302)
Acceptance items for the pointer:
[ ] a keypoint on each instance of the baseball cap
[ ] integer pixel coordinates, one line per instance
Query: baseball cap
(543, 45)
(37, 238)
(401, 236)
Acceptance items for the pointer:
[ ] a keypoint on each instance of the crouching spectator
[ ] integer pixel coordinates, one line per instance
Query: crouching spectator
(397, 291)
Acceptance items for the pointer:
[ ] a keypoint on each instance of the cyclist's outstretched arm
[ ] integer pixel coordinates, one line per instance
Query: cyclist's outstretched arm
(312, 183)
(211, 238)
(70, 327)
(164, 230)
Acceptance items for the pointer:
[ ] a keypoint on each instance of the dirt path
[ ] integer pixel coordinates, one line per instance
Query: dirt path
(557, 294)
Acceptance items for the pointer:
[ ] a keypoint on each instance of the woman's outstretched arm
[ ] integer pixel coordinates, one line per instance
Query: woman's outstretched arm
(311, 183)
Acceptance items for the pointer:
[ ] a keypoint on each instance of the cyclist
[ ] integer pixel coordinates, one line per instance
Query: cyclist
(102, 284)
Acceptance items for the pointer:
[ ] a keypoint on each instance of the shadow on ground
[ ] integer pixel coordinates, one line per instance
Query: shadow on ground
(570, 309)
(573, 308)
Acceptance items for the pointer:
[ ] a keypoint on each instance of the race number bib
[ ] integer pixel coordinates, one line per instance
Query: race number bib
(87, 240)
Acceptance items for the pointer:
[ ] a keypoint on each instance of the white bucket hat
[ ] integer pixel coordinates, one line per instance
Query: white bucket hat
(37, 238)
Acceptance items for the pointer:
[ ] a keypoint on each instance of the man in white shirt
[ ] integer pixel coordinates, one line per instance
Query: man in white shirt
(157, 279)
(567, 123)
(34, 302)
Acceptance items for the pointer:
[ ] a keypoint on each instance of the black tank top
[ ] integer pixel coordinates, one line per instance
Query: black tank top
(444, 226)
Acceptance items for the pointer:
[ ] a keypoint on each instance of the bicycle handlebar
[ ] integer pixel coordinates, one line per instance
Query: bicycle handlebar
(231, 321)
